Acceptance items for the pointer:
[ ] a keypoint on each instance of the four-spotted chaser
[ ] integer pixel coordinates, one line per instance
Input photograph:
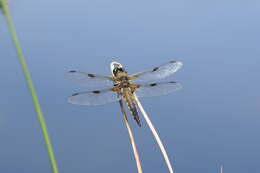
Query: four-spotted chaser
(123, 86)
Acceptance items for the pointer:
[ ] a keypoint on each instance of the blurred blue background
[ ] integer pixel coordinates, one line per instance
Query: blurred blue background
(214, 120)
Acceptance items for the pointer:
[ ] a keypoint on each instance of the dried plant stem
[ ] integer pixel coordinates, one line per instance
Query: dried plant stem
(155, 134)
(132, 140)
(29, 82)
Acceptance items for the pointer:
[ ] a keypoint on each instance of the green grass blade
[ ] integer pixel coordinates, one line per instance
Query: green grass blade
(30, 85)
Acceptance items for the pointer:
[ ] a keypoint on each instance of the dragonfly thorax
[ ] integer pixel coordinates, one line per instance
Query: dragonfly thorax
(124, 84)
(123, 78)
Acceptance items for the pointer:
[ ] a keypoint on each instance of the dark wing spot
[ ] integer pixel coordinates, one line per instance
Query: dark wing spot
(91, 75)
(75, 94)
(153, 84)
(172, 61)
(96, 92)
(72, 71)
(172, 82)
(156, 68)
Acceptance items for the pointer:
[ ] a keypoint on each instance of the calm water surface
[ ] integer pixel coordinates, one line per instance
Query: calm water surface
(214, 120)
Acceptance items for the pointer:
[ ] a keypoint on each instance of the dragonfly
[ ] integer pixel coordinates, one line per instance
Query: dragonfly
(121, 86)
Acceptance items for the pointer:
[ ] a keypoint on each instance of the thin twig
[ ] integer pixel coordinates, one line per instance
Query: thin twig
(29, 82)
(132, 140)
(155, 134)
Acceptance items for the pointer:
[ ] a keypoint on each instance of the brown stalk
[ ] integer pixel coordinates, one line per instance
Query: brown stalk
(132, 141)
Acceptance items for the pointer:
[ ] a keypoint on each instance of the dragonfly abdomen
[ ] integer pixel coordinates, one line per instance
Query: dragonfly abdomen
(132, 106)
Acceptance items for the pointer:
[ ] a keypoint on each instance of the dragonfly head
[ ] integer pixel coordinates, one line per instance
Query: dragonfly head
(116, 67)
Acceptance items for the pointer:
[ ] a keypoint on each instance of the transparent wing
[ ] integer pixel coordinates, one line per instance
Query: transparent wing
(97, 97)
(156, 73)
(157, 89)
(89, 80)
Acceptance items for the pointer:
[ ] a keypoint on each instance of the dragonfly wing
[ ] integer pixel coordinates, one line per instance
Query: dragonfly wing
(89, 80)
(157, 89)
(156, 73)
(97, 97)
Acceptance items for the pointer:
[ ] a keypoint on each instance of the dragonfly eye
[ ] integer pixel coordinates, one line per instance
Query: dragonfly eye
(116, 70)
(116, 66)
